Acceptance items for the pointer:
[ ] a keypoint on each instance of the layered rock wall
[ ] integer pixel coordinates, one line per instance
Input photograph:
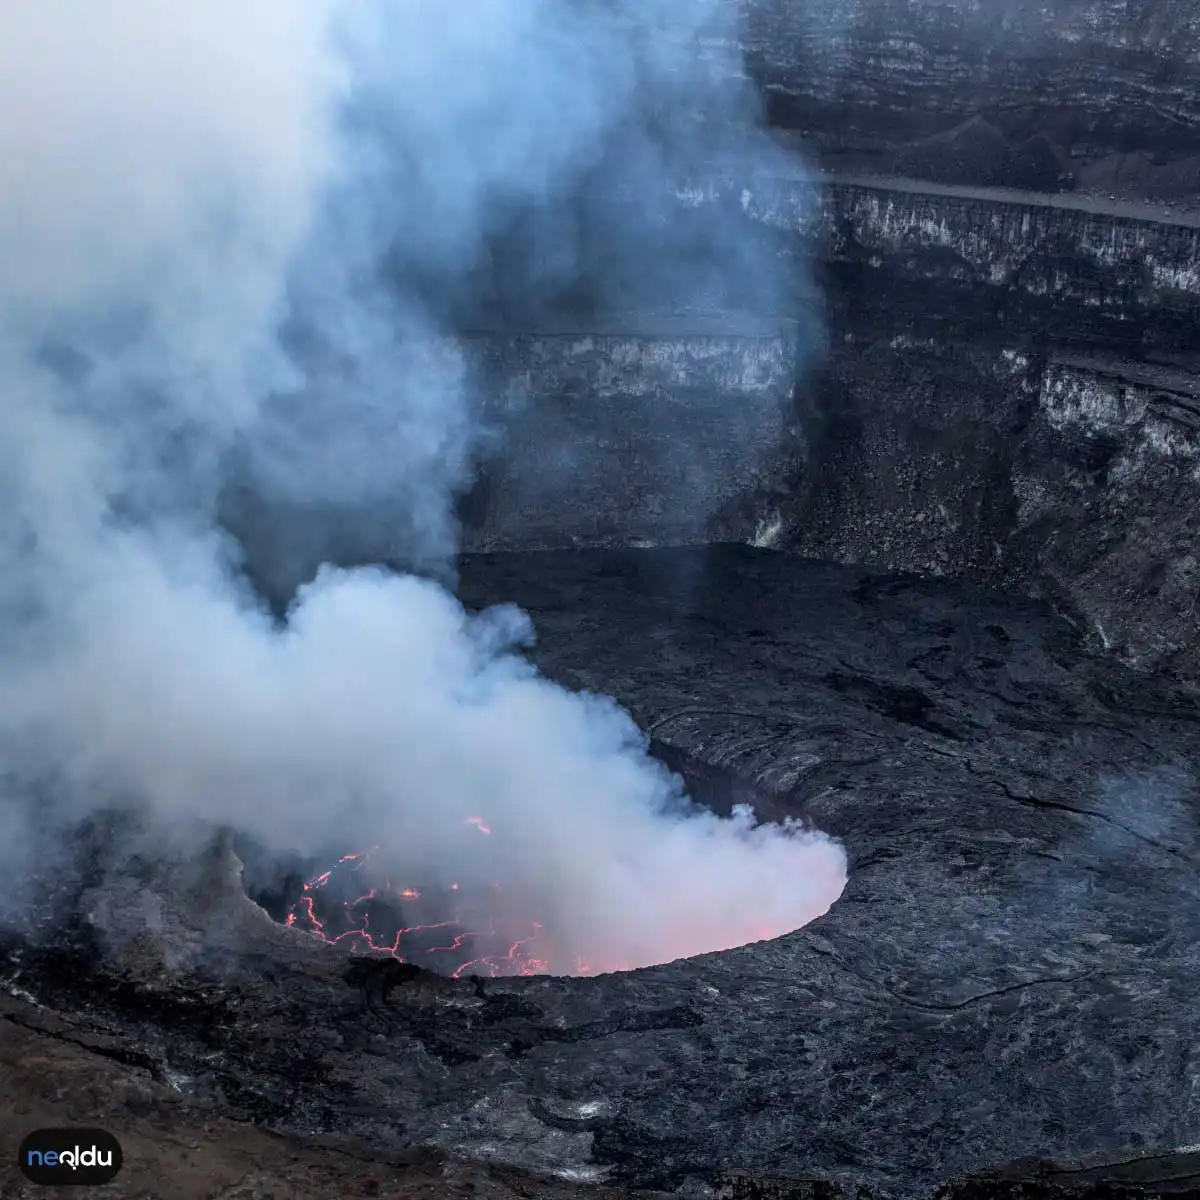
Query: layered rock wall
(1012, 396)
(673, 435)
(1076, 94)
(1007, 393)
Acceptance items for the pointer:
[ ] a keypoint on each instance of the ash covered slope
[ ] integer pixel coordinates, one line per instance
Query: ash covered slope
(1008, 975)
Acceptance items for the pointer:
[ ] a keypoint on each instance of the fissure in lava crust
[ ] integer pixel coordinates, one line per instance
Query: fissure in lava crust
(359, 904)
(486, 910)
(448, 929)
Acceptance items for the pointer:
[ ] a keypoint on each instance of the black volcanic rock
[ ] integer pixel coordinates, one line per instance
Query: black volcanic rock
(1008, 977)
(1094, 81)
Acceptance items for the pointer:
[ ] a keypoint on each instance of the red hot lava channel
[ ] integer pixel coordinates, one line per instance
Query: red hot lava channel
(443, 928)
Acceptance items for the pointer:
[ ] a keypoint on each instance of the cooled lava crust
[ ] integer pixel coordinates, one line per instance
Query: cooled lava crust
(1002, 1003)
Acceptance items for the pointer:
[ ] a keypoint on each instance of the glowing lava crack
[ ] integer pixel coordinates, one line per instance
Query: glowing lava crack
(493, 929)
(443, 929)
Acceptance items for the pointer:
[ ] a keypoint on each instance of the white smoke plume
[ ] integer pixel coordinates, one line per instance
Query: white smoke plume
(195, 203)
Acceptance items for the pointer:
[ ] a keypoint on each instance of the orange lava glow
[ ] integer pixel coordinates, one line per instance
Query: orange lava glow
(466, 941)
(468, 929)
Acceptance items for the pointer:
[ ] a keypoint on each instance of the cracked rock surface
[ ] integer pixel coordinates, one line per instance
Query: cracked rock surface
(1002, 1003)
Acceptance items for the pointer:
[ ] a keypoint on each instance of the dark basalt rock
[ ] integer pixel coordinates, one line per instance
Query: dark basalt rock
(1008, 978)
(378, 977)
(1089, 93)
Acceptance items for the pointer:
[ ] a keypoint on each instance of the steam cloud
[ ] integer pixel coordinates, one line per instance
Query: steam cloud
(234, 243)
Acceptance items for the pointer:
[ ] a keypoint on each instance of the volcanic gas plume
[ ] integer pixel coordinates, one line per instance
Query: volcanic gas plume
(196, 204)
(517, 928)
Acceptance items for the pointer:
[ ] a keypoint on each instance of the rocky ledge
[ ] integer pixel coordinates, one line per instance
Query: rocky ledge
(1094, 95)
(1000, 1004)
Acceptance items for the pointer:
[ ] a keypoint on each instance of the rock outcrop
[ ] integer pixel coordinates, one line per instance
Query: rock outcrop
(1012, 398)
(665, 431)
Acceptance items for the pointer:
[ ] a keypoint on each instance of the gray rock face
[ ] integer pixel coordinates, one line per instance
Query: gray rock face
(1009, 395)
(1086, 93)
(672, 432)
(1018, 408)
(1069, 476)
(1009, 974)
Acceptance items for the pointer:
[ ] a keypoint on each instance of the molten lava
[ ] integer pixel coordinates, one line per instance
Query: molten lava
(440, 928)
(491, 929)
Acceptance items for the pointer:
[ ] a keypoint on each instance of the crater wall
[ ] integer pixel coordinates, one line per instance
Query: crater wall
(996, 376)
(1001, 205)
(1008, 393)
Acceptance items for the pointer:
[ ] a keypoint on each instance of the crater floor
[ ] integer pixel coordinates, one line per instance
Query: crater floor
(1004, 991)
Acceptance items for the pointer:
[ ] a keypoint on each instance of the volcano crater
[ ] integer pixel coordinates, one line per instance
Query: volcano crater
(357, 902)
(1008, 975)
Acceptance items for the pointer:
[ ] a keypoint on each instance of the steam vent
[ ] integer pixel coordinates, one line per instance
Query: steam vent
(602, 600)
